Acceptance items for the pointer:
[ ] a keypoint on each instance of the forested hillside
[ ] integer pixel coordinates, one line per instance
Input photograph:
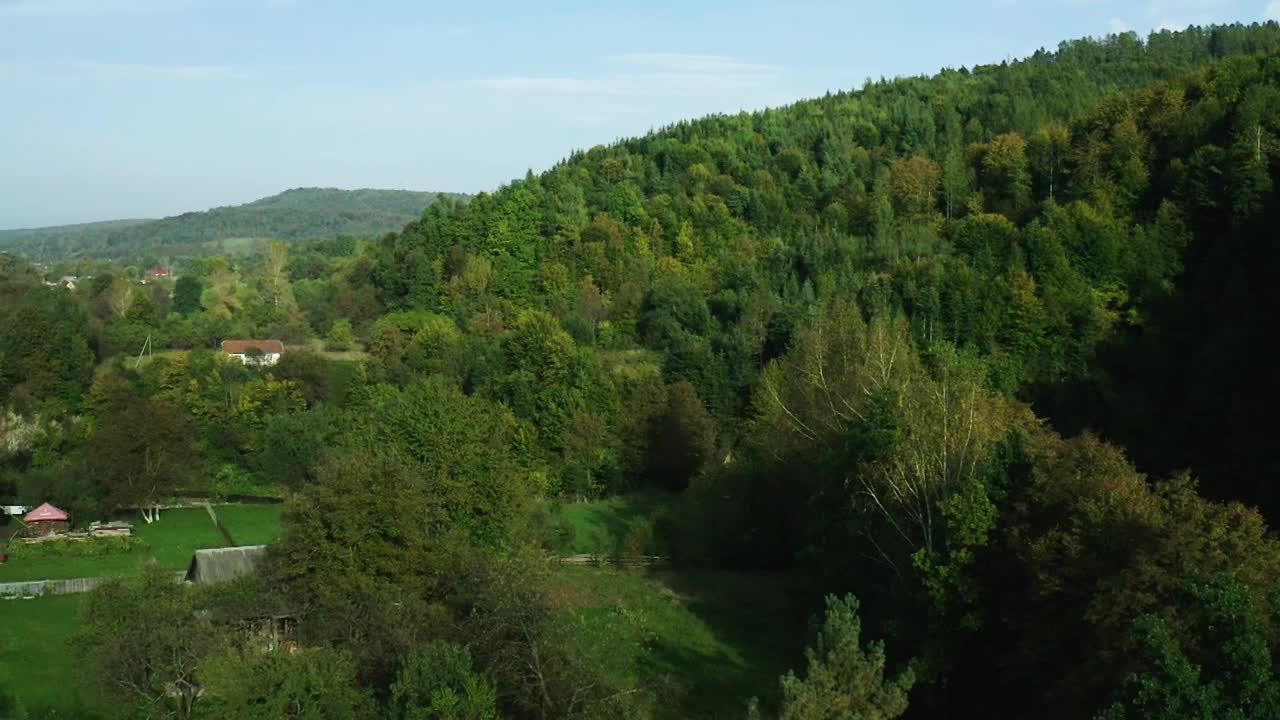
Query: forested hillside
(298, 214)
(979, 357)
(54, 242)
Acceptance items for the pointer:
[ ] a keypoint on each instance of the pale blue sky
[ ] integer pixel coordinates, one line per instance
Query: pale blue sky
(145, 108)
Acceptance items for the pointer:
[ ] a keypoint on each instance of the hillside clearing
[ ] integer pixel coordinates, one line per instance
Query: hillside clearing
(709, 641)
(171, 542)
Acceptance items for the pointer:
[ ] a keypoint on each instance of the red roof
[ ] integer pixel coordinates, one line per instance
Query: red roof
(45, 512)
(240, 347)
(159, 271)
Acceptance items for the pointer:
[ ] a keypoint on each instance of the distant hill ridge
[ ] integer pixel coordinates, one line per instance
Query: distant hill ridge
(296, 214)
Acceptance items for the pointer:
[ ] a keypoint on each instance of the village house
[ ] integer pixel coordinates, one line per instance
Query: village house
(254, 352)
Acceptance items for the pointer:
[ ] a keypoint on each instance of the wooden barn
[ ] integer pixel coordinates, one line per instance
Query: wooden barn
(221, 564)
(45, 520)
(272, 633)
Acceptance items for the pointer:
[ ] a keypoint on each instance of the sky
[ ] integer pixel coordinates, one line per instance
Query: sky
(147, 108)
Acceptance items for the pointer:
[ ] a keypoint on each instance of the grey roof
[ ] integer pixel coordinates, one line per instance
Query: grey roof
(221, 564)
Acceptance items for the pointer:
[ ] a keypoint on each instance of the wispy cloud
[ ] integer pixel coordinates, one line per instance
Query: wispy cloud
(1119, 26)
(649, 74)
(1178, 14)
(1272, 11)
(1163, 7)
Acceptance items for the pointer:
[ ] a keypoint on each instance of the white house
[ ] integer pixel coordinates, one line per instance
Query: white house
(268, 352)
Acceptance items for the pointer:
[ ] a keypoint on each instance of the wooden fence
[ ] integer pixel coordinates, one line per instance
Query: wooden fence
(621, 560)
(34, 588)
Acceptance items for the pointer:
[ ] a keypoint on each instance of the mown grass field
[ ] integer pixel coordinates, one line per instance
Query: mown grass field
(36, 665)
(171, 541)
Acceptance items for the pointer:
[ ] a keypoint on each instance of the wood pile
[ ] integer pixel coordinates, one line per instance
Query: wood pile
(96, 529)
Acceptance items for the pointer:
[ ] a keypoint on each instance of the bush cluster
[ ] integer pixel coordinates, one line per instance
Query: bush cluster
(88, 547)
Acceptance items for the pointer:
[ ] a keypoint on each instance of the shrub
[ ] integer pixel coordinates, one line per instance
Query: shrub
(235, 480)
(439, 683)
(88, 547)
(341, 336)
(639, 539)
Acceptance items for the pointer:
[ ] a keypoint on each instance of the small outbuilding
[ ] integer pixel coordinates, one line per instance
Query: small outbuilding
(46, 520)
(221, 564)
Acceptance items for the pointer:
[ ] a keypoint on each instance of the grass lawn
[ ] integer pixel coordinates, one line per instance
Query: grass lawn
(35, 664)
(599, 525)
(251, 524)
(709, 640)
(237, 245)
(131, 360)
(171, 541)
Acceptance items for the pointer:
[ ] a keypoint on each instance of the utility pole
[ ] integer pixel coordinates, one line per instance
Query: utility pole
(146, 349)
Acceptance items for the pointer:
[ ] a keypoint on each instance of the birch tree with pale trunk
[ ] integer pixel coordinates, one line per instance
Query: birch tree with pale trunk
(945, 422)
(120, 297)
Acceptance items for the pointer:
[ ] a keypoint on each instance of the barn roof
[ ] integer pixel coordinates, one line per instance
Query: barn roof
(221, 564)
(45, 512)
(240, 347)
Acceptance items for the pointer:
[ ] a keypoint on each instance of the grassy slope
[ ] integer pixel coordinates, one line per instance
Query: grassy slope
(598, 526)
(131, 359)
(172, 542)
(35, 664)
(251, 524)
(708, 641)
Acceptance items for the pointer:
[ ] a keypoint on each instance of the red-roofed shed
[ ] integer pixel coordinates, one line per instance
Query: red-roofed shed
(46, 520)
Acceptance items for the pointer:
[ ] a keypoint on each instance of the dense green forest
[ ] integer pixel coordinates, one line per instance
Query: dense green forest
(976, 360)
(298, 214)
(59, 241)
